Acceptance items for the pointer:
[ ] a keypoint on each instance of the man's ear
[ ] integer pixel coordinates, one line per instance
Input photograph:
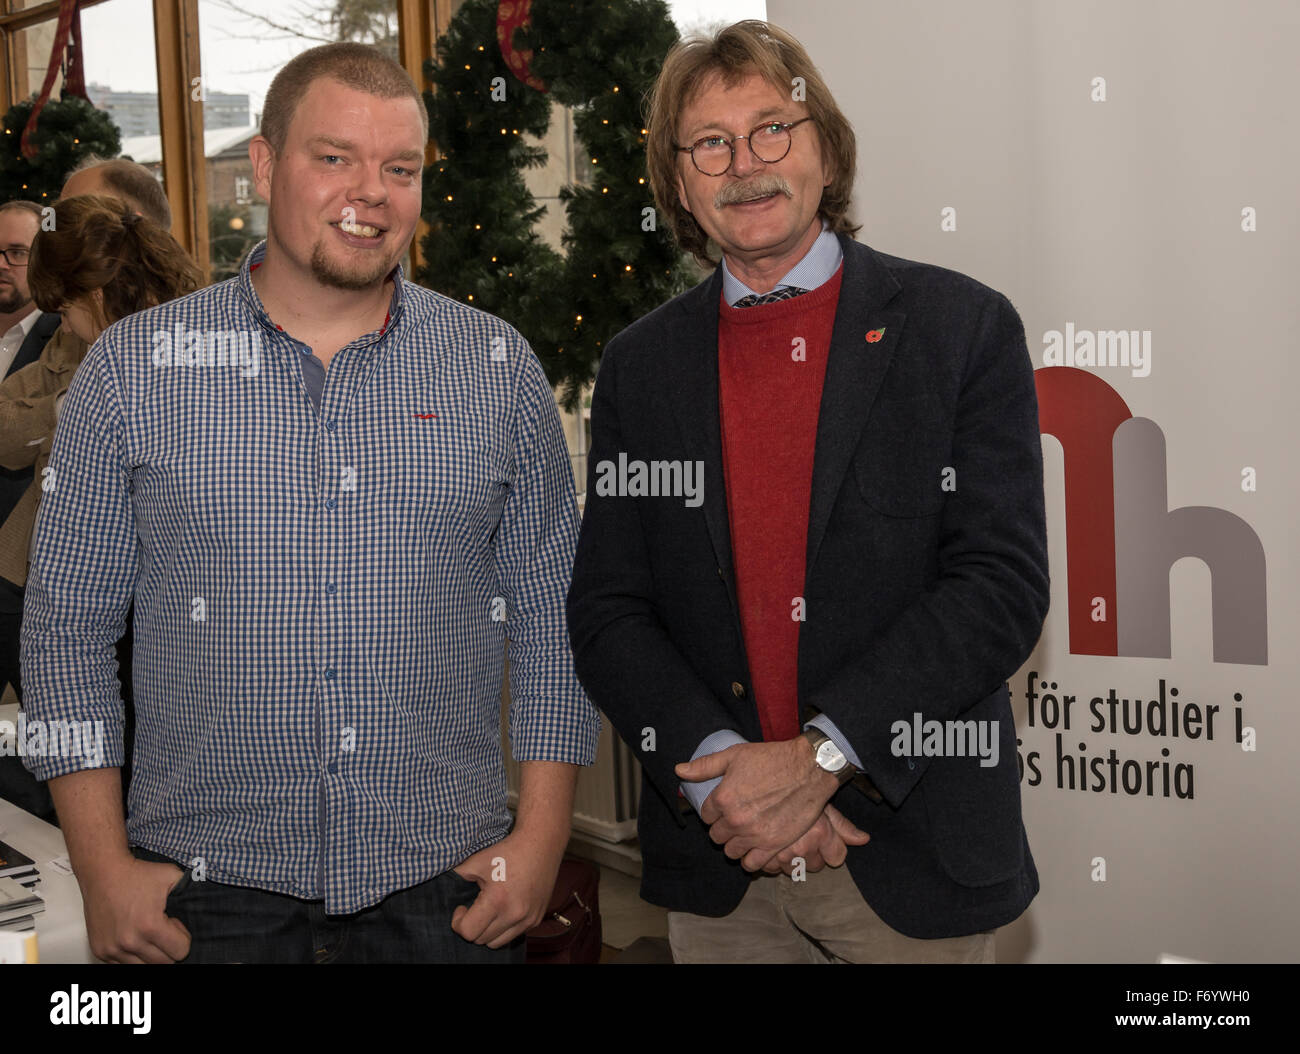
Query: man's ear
(681, 193)
(262, 155)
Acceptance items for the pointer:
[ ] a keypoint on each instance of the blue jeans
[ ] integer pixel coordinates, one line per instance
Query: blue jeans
(236, 924)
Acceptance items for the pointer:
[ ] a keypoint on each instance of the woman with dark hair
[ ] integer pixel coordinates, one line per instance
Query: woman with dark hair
(102, 262)
(99, 262)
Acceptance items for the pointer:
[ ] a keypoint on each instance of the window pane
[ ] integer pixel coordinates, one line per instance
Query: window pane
(31, 56)
(118, 39)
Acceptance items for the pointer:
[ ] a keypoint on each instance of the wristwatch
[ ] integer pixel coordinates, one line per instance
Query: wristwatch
(828, 756)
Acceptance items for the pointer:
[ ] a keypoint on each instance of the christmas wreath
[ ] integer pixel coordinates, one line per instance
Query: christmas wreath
(498, 67)
(66, 131)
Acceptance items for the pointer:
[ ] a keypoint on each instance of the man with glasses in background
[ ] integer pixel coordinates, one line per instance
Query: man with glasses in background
(24, 332)
(869, 550)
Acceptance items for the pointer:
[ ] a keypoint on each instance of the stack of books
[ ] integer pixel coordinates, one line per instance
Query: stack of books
(19, 901)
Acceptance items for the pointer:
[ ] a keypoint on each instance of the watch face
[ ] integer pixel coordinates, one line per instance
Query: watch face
(830, 757)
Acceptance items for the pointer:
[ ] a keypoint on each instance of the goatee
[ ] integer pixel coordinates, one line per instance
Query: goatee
(358, 277)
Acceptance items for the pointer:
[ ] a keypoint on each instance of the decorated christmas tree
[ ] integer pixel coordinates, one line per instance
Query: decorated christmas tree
(67, 130)
(499, 67)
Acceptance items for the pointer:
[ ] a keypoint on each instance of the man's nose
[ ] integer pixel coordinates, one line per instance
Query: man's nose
(743, 161)
(369, 186)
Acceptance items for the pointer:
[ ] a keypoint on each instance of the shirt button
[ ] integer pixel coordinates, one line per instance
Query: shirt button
(331, 503)
(331, 588)
(330, 426)
(332, 767)
(329, 673)
(738, 689)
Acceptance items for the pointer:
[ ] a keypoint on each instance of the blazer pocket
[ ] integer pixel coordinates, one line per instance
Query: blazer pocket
(974, 811)
(912, 486)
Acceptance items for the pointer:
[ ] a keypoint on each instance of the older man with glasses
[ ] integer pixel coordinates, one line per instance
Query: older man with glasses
(869, 551)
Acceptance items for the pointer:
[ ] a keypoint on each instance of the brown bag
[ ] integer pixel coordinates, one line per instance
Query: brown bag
(570, 932)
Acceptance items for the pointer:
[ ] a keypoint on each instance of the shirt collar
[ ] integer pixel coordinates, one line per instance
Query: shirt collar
(254, 260)
(817, 267)
(25, 324)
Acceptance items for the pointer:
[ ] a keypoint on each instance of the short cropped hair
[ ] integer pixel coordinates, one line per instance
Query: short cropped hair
(734, 53)
(358, 66)
(23, 205)
(134, 184)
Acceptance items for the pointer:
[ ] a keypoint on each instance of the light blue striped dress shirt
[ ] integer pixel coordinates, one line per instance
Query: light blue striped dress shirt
(323, 594)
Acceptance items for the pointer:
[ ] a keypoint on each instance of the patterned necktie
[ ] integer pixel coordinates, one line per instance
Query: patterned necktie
(784, 293)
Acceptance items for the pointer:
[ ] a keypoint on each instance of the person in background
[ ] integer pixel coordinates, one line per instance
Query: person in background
(102, 261)
(34, 385)
(24, 333)
(28, 398)
(120, 178)
(99, 262)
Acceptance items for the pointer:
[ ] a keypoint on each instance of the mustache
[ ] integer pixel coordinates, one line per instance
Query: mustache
(758, 187)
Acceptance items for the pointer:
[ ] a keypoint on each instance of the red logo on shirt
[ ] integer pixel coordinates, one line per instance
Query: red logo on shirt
(875, 335)
(423, 417)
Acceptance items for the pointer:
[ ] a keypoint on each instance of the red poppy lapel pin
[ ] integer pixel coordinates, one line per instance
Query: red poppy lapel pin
(875, 334)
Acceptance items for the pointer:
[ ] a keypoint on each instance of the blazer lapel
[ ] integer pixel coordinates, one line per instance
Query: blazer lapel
(854, 371)
(695, 334)
(30, 349)
(862, 343)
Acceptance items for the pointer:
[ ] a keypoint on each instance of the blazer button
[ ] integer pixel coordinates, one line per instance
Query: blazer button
(738, 689)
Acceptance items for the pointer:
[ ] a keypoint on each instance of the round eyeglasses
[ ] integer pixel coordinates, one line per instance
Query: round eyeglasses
(769, 142)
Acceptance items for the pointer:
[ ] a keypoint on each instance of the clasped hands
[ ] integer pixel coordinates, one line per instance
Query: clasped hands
(773, 806)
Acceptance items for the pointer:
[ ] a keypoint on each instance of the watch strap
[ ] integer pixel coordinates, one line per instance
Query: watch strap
(816, 737)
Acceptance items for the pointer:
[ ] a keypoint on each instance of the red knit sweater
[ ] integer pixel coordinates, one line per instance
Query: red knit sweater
(771, 365)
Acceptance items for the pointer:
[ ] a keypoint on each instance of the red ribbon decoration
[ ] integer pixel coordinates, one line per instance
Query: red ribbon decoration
(74, 77)
(512, 15)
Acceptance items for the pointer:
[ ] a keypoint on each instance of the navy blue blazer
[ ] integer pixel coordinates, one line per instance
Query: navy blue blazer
(920, 598)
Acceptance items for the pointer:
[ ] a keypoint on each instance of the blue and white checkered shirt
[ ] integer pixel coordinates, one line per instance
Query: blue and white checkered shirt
(323, 595)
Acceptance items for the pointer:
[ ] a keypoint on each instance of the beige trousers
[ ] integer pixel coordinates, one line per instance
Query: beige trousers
(822, 919)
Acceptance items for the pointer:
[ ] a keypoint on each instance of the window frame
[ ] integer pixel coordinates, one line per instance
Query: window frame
(180, 113)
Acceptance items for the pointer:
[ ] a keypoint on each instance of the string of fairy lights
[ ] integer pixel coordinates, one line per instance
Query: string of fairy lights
(599, 59)
(68, 130)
